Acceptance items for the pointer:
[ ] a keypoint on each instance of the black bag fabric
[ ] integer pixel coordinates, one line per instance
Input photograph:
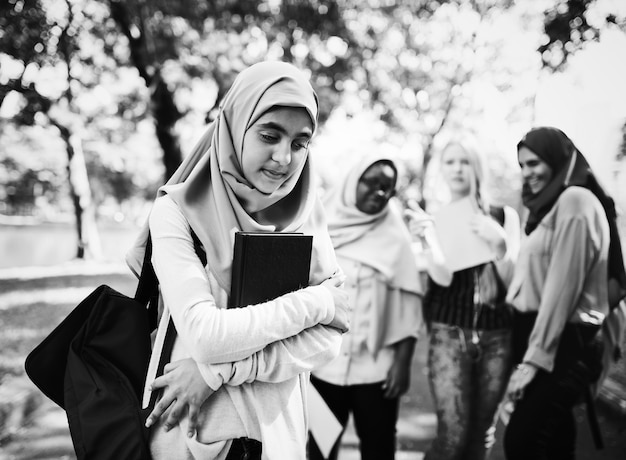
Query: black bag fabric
(104, 379)
(94, 364)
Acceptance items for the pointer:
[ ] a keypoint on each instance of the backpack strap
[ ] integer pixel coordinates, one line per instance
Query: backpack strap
(497, 212)
(170, 333)
(147, 292)
(197, 245)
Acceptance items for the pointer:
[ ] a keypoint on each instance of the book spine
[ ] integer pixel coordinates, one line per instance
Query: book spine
(236, 287)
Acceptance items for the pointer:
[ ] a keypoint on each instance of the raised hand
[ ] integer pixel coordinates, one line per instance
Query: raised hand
(490, 231)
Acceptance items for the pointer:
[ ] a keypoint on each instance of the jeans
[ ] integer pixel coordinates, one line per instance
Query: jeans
(374, 416)
(467, 384)
(542, 425)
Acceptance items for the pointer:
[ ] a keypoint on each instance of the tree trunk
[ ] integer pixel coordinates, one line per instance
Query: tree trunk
(166, 115)
(164, 109)
(88, 245)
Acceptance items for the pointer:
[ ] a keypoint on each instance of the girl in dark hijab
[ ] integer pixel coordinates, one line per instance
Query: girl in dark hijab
(556, 149)
(560, 291)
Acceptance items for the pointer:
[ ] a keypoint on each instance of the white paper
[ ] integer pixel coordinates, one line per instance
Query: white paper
(324, 426)
(461, 247)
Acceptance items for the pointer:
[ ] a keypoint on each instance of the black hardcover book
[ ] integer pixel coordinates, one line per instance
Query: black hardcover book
(268, 265)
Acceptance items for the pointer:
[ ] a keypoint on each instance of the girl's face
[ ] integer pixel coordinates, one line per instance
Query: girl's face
(375, 188)
(536, 173)
(275, 147)
(457, 170)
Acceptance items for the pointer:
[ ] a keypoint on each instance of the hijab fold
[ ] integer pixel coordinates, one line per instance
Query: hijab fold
(570, 168)
(380, 240)
(216, 198)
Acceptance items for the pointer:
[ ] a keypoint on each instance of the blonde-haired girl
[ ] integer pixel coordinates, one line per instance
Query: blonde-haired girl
(469, 323)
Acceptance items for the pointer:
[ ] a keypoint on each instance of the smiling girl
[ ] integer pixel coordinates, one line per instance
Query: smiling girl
(236, 384)
(373, 248)
(560, 294)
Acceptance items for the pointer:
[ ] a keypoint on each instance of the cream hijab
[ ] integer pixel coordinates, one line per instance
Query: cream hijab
(380, 240)
(217, 199)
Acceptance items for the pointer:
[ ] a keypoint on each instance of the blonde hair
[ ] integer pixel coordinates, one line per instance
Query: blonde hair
(478, 169)
(488, 282)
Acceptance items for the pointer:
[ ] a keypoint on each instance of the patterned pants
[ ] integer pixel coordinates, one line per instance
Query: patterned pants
(467, 384)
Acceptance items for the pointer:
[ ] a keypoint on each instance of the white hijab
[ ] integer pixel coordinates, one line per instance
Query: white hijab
(380, 240)
(217, 199)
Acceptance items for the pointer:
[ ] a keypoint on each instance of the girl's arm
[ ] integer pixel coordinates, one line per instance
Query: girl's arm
(305, 352)
(573, 251)
(188, 384)
(212, 334)
(429, 257)
(279, 361)
(506, 265)
(436, 266)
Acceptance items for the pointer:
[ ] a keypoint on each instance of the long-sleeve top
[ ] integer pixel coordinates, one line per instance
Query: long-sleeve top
(381, 316)
(561, 272)
(277, 343)
(454, 304)
(451, 304)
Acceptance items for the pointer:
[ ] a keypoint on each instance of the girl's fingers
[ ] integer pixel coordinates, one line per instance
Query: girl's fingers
(175, 414)
(193, 420)
(165, 402)
(418, 216)
(169, 367)
(159, 382)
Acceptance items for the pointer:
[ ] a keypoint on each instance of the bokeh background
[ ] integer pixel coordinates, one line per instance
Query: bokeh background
(100, 100)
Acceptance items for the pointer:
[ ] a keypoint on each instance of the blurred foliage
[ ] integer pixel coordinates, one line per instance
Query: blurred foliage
(138, 80)
(569, 24)
(23, 186)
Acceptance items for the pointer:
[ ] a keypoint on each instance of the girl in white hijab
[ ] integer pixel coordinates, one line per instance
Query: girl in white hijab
(373, 247)
(238, 377)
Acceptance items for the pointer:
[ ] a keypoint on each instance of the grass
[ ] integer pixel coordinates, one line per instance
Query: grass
(31, 309)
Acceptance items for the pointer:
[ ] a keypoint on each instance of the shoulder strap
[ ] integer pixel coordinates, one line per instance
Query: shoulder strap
(170, 333)
(197, 245)
(147, 286)
(497, 212)
(147, 292)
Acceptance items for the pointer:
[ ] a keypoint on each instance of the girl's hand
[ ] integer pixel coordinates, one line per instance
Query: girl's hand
(399, 375)
(184, 391)
(490, 231)
(422, 227)
(343, 308)
(398, 380)
(522, 375)
(418, 222)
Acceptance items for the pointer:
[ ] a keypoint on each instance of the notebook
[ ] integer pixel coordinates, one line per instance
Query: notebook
(268, 265)
(461, 247)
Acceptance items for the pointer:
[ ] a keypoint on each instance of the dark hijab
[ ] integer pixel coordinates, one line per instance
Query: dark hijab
(569, 167)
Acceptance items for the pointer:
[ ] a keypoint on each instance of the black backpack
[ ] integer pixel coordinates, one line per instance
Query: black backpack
(94, 365)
